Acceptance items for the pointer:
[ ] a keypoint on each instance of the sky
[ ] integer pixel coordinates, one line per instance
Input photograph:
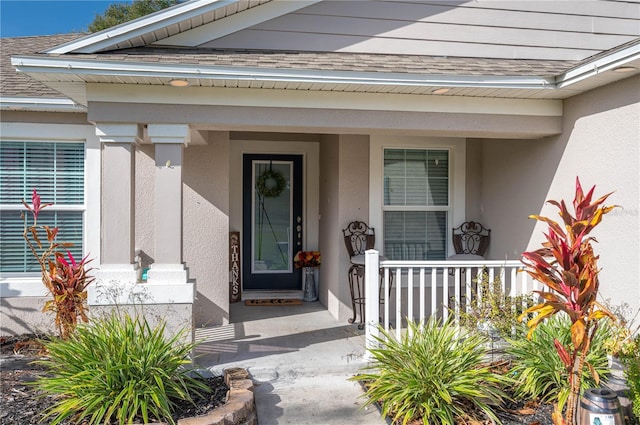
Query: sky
(45, 17)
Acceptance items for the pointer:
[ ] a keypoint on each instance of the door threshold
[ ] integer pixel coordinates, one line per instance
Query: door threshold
(265, 295)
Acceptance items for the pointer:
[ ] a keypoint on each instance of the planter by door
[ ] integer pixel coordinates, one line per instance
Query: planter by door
(309, 284)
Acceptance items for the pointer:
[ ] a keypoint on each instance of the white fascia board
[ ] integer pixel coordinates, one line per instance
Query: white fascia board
(119, 69)
(40, 104)
(146, 24)
(234, 23)
(598, 66)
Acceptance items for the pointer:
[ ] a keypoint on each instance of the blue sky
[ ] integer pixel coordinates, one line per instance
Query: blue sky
(44, 17)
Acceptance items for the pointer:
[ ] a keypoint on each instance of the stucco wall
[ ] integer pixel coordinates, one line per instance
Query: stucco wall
(205, 221)
(23, 315)
(206, 227)
(344, 193)
(600, 145)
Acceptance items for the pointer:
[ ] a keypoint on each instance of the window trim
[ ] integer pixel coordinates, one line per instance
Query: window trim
(457, 175)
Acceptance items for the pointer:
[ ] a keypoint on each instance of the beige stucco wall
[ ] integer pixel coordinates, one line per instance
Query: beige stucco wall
(206, 227)
(344, 197)
(205, 221)
(600, 145)
(23, 315)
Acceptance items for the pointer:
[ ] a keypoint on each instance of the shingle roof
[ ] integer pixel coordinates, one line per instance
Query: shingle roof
(15, 84)
(331, 61)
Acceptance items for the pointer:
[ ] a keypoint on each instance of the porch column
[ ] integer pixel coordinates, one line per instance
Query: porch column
(118, 211)
(169, 141)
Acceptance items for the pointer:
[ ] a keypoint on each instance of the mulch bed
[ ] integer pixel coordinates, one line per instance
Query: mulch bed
(21, 403)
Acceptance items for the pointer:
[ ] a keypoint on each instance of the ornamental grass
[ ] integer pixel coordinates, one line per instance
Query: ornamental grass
(434, 374)
(118, 370)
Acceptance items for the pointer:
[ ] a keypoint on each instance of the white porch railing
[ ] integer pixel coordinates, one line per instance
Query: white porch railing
(424, 288)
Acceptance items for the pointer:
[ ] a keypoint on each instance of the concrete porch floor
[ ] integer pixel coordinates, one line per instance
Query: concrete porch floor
(300, 358)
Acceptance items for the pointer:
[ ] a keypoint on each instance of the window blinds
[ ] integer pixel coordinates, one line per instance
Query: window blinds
(56, 171)
(416, 203)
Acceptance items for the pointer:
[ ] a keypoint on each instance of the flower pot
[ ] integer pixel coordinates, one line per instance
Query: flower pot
(309, 284)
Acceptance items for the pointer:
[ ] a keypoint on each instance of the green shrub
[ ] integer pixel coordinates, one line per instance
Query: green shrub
(632, 372)
(491, 305)
(432, 373)
(117, 369)
(538, 369)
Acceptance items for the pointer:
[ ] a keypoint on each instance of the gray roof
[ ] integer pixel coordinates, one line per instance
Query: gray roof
(331, 61)
(16, 84)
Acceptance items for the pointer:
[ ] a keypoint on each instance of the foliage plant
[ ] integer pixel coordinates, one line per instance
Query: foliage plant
(65, 278)
(631, 360)
(567, 266)
(491, 305)
(538, 371)
(432, 373)
(118, 369)
(118, 13)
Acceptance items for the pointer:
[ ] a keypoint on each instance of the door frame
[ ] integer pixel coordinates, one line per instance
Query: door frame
(307, 146)
(271, 280)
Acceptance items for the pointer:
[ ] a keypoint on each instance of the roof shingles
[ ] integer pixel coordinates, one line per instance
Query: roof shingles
(16, 84)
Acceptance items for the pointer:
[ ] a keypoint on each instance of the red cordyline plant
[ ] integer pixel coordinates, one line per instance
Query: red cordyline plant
(64, 277)
(566, 265)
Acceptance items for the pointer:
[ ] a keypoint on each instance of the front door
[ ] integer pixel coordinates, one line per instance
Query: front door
(272, 221)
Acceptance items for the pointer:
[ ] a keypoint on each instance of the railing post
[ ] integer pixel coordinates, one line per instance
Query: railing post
(372, 300)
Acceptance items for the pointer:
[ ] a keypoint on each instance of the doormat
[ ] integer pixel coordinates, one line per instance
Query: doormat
(274, 301)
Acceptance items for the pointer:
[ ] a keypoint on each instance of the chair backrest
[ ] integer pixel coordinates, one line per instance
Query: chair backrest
(358, 237)
(470, 237)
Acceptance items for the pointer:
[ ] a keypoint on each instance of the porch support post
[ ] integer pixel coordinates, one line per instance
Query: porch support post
(372, 300)
(169, 141)
(118, 184)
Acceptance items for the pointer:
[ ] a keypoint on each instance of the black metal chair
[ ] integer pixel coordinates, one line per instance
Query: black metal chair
(470, 238)
(359, 237)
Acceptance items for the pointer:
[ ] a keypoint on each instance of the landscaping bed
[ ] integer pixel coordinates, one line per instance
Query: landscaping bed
(22, 403)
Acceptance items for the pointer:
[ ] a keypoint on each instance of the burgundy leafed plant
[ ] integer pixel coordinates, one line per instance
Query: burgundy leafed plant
(567, 266)
(64, 277)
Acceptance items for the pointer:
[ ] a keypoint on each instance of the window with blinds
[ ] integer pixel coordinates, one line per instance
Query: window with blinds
(56, 171)
(416, 204)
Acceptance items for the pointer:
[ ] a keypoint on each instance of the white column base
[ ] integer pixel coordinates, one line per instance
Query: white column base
(167, 274)
(141, 294)
(117, 274)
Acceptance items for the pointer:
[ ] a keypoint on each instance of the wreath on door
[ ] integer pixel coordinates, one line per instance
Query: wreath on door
(270, 183)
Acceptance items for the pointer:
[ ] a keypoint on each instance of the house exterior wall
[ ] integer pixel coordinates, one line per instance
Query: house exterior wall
(205, 221)
(206, 227)
(344, 197)
(600, 145)
(330, 247)
(537, 30)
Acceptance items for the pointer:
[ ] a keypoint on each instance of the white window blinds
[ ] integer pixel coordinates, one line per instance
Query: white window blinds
(56, 171)
(416, 203)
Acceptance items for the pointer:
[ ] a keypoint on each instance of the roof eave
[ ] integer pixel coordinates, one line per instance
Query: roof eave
(624, 57)
(61, 65)
(112, 36)
(40, 104)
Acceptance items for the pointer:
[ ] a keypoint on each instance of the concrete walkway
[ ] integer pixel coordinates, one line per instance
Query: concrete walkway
(300, 358)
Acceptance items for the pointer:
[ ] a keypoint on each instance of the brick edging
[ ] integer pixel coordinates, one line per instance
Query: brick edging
(240, 408)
